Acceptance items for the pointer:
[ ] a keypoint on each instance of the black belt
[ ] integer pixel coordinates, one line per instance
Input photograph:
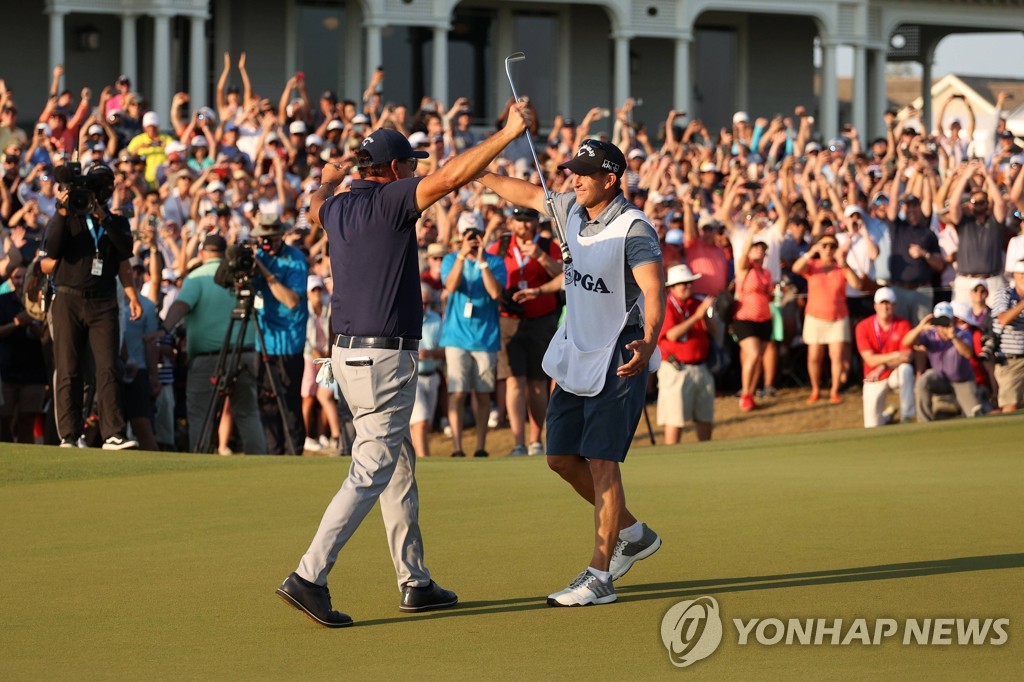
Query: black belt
(217, 352)
(86, 294)
(385, 342)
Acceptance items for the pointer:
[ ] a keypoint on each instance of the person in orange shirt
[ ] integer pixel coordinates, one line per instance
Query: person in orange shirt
(826, 318)
(752, 323)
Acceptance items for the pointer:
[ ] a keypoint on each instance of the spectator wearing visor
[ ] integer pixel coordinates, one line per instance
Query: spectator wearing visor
(282, 319)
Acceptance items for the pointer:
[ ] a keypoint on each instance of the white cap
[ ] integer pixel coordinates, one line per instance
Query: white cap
(297, 128)
(314, 139)
(680, 274)
(200, 141)
(637, 154)
(215, 186)
(812, 147)
(418, 138)
(95, 129)
(150, 119)
(975, 283)
(674, 237)
(175, 147)
(1016, 267)
(708, 167)
(360, 118)
(314, 282)
(885, 295)
(469, 221)
(853, 209)
(169, 275)
(335, 125)
(740, 117)
(962, 311)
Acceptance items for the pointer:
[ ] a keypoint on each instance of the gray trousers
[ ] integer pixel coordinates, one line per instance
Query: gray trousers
(381, 396)
(930, 383)
(244, 407)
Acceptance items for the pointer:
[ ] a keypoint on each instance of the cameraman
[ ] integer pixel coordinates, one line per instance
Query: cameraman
(282, 319)
(89, 248)
(207, 310)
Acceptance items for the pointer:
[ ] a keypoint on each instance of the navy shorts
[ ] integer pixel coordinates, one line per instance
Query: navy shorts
(601, 426)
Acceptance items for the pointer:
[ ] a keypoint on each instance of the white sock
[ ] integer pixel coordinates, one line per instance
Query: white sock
(632, 534)
(605, 576)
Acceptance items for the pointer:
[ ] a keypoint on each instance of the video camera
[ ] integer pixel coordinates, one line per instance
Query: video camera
(83, 188)
(238, 268)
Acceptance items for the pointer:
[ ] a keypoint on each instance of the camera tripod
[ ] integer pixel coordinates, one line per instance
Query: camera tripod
(229, 365)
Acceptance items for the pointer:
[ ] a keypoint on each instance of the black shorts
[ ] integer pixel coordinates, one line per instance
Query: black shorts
(601, 426)
(527, 346)
(744, 329)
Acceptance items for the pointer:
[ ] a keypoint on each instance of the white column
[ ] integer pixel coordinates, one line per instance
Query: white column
(621, 90)
(880, 98)
(681, 86)
(860, 91)
(160, 98)
(828, 99)
(129, 48)
(563, 82)
(56, 39)
(439, 84)
(197, 77)
(374, 51)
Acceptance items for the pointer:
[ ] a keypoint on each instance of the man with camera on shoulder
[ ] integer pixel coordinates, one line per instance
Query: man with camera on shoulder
(282, 319)
(87, 251)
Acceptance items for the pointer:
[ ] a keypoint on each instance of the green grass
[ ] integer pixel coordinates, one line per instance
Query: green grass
(122, 565)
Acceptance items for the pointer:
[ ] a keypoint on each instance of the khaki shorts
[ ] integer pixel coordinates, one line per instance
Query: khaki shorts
(1011, 382)
(509, 327)
(427, 386)
(471, 370)
(685, 395)
(824, 332)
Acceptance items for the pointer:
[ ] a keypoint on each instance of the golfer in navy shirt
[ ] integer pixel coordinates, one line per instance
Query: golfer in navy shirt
(377, 316)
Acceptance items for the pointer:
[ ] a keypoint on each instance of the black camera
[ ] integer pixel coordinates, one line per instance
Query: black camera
(83, 188)
(238, 268)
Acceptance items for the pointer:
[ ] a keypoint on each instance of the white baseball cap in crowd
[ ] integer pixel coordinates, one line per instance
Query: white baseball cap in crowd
(469, 221)
(175, 147)
(314, 139)
(1017, 267)
(942, 309)
(200, 141)
(297, 128)
(975, 283)
(169, 275)
(962, 311)
(335, 125)
(885, 295)
(680, 274)
(740, 117)
(314, 282)
(95, 129)
(360, 119)
(215, 186)
(419, 139)
(812, 147)
(708, 167)
(674, 237)
(637, 154)
(150, 119)
(853, 209)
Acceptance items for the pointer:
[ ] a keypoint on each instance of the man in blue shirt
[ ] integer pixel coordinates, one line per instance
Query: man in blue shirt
(471, 335)
(377, 314)
(282, 319)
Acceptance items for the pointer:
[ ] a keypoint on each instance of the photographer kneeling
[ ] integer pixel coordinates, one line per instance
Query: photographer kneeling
(282, 319)
(87, 250)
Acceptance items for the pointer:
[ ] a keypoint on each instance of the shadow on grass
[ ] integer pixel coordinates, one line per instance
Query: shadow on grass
(686, 588)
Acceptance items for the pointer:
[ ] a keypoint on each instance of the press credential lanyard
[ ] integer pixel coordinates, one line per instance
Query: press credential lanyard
(97, 262)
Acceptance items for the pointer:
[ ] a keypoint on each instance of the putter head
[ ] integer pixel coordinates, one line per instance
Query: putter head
(515, 57)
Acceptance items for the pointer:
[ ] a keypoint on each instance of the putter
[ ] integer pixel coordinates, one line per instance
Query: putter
(559, 230)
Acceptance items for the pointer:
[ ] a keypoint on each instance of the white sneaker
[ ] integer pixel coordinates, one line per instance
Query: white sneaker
(119, 443)
(586, 589)
(81, 442)
(446, 428)
(324, 441)
(492, 419)
(68, 443)
(517, 451)
(536, 448)
(312, 445)
(628, 553)
(225, 451)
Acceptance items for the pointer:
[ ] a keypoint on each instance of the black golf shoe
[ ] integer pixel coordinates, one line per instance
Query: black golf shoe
(312, 600)
(433, 596)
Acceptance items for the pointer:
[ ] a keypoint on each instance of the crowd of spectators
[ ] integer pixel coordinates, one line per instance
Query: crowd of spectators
(795, 247)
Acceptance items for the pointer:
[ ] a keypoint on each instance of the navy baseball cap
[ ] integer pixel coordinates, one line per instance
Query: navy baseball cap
(386, 145)
(594, 156)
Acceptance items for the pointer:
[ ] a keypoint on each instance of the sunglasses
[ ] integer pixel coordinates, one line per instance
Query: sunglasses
(829, 245)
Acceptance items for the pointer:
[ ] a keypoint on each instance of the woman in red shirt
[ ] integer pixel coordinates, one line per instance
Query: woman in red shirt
(826, 318)
(752, 322)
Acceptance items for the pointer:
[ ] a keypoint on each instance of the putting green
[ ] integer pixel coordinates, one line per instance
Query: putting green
(131, 565)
